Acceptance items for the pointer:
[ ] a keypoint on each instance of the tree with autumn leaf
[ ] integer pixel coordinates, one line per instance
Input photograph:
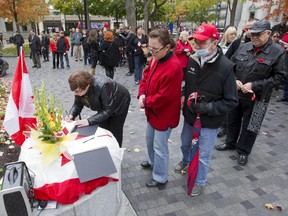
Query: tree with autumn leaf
(23, 12)
(70, 7)
(191, 10)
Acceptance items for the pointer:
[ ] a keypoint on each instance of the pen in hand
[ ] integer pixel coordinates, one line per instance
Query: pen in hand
(89, 139)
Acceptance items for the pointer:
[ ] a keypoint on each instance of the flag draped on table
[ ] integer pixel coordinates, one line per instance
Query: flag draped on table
(194, 152)
(20, 108)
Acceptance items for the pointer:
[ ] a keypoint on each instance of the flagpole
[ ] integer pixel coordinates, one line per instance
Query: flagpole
(21, 58)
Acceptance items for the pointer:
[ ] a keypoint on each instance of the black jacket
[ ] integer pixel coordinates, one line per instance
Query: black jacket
(35, 44)
(215, 81)
(105, 96)
(266, 68)
(61, 45)
(94, 48)
(112, 53)
(18, 40)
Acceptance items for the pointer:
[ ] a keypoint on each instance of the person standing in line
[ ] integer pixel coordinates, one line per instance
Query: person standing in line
(78, 45)
(129, 51)
(183, 50)
(110, 54)
(282, 27)
(261, 65)
(85, 46)
(72, 39)
(45, 43)
(244, 38)
(93, 45)
(210, 74)
(63, 47)
(35, 46)
(227, 39)
(284, 43)
(53, 49)
(102, 94)
(231, 50)
(18, 41)
(160, 95)
(138, 41)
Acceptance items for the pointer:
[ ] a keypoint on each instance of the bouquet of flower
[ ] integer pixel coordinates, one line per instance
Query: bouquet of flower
(49, 117)
(50, 138)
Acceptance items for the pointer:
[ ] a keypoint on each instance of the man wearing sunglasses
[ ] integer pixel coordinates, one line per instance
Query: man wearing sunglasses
(260, 66)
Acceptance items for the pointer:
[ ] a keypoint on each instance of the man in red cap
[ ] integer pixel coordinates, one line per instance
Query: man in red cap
(211, 75)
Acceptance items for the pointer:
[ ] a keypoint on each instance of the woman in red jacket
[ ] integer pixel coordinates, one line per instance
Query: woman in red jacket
(53, 48)
(159, 94)
(183, 49)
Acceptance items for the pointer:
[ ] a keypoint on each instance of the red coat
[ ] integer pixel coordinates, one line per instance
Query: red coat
(53, 46)
(181, 55)
(161, 85)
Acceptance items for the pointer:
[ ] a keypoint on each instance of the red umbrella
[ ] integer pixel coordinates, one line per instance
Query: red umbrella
(194, 152)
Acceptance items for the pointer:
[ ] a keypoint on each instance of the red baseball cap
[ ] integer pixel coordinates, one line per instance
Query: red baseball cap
(205, 32)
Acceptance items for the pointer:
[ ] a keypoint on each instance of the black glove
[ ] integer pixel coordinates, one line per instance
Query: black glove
(200, 107)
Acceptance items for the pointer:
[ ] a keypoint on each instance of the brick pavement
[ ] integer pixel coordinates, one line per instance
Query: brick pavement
(231, 190)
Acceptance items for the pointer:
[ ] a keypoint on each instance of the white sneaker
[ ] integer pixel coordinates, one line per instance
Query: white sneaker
(197, 190)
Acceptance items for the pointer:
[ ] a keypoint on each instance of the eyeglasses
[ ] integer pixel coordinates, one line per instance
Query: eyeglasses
(155, 50)
(258, 34)
(276, 36)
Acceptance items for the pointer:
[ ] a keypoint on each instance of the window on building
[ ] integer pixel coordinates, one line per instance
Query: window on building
(24, 28)
(9, 26)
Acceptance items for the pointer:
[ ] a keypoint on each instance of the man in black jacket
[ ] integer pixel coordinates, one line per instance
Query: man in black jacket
(35, 46)
(100, 93)
(211, 75)
(18, 41)
(282, 27)
(45, 43)
(63, 47)
(129, 51)
(260, 65)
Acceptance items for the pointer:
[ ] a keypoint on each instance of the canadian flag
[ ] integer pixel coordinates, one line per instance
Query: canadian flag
(20, 108)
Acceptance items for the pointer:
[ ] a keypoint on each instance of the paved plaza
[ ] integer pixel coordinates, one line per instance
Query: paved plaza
(231, 190)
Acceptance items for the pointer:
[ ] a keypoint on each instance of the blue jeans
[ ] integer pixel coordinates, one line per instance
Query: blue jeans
(138, 68)
(158, 152)
(206, 141)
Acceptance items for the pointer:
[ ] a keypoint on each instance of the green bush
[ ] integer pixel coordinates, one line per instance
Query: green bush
(11, 50)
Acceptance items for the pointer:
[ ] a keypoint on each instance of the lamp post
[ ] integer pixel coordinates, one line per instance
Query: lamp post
(86, 13)
(218, 14)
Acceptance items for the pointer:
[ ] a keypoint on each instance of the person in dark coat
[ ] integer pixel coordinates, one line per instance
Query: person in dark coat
(127, 37)
(102, 94)
(35, 47)
(282, 27)
(45, 43)
(211, 75)
(93, 46)
(18, 41)
(137, 42)
(85, 46)
(63, 47)
(261, 65)
(110, 54)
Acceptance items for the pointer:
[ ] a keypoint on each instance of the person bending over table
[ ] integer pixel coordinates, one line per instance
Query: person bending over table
(110, 99)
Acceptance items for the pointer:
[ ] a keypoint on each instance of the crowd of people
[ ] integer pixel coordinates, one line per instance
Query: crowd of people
(221, 81)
